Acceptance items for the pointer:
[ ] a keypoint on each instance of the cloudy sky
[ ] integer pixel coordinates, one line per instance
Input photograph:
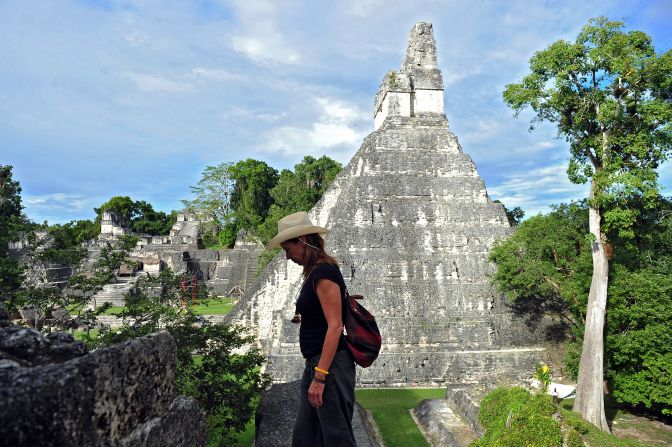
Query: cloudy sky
(102, 98)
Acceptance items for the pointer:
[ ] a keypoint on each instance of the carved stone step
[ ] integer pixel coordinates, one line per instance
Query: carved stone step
(440, 425)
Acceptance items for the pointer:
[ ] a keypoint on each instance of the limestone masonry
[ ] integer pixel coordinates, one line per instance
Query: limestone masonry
(55, 394)
(411, 225)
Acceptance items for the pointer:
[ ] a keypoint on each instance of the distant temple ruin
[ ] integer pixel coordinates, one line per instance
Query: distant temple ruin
(225, 272)
(411, 226)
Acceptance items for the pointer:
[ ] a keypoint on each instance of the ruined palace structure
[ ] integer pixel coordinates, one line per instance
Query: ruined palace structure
(411, 226)
(225, 272)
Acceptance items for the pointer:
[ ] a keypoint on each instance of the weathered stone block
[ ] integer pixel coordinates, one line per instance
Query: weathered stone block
(97, 399)
(183, 425)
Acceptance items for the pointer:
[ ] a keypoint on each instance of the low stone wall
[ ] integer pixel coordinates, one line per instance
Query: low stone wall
(55, 394)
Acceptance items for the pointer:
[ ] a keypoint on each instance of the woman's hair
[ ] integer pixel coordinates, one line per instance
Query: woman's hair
(314, 253)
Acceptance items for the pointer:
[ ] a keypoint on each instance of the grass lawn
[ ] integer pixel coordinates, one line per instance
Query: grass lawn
(79, 335)
(213, 306)
(210, 306)
(391, 411)
(114, 310)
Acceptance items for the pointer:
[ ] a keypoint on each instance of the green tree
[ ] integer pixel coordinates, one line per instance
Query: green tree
(251, 198)
(639, 312)
(299, 190)
(123, 206)
(81, 286)
(212, 200)
(13, 227)
(514, 215)
(140, 216)
(610, 96)
(212, 193)
(65, 242)
(547, 261)
(547, 264)
(151, 221)
(215, 364)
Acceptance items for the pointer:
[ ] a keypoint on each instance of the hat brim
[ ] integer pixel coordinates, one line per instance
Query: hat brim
(291, 233)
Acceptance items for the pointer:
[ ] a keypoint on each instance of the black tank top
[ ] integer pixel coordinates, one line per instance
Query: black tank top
(313, 324)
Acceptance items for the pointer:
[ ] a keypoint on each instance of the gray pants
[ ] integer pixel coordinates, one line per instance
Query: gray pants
(331, 424)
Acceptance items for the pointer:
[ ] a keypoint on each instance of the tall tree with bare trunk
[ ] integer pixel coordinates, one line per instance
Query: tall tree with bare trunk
(610, 95)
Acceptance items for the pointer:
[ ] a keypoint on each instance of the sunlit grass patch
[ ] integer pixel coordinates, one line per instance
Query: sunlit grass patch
(213, 306)
(79, 335)
(391, 411)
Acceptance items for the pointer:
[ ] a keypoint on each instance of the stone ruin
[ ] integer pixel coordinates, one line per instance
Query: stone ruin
(411, 226)
(52, 273)
(54, 393)
(225, 272)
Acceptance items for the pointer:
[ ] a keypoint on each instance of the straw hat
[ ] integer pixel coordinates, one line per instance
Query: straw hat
(294, 225)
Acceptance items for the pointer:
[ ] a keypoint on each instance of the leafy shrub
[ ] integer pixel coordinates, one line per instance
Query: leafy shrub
(543, 374)
(640, 336)
(497, 404)
(227, 237)
(214, 364)
(513, 417)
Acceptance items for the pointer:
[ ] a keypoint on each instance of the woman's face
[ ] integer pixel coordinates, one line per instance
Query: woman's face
(294, 251)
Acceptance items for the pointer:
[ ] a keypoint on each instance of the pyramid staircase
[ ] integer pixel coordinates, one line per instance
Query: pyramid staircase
(114, 293)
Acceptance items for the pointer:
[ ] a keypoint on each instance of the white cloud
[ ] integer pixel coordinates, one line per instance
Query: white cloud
(61, 207)
(215, 74)
(236, 112)
(40, 200)
(136, 38)
(337, 111)
(312, 139)
(266, 49)
(153, 83)
(337, 128)
(535, 190)
(260, 34)
(364, 8)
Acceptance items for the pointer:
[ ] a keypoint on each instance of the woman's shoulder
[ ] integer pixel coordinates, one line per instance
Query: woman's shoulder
(325, 268)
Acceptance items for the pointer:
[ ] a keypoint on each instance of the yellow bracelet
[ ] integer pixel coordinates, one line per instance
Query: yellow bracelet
(321, 370)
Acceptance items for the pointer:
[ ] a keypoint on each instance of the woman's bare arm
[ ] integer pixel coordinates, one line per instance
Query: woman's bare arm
(329, 294)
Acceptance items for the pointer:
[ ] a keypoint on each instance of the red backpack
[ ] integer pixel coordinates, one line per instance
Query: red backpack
(360, 331)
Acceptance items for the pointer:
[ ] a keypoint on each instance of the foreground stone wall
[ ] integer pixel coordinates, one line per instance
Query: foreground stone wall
(54, 394)
(275, 417)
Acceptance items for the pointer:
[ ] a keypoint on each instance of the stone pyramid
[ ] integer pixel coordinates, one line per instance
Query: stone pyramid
(411, 225)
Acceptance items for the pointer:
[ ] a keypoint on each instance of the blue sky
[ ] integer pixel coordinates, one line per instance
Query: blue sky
(104, 98)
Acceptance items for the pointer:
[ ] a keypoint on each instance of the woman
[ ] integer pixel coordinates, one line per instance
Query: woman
(328, 384)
